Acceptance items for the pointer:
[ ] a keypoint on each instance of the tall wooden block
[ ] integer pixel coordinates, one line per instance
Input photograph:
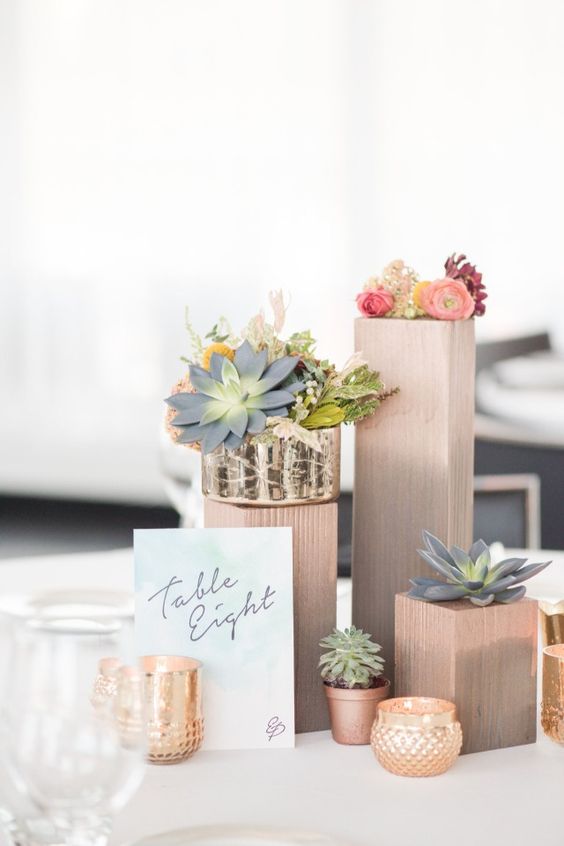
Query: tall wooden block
(482, 659)
(315, 589)
(413, 460)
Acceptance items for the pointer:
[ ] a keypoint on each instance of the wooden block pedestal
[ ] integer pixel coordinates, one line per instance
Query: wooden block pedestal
(482, 659)
(315, 589)
(414, 460)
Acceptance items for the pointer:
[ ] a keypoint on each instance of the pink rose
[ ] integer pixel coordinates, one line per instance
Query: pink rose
(447, 299)
(375, 303)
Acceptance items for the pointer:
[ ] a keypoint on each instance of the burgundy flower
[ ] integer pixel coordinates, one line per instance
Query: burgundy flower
(459, 268)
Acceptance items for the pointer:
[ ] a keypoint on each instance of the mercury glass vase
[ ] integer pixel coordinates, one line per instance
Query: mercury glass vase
(286, 472)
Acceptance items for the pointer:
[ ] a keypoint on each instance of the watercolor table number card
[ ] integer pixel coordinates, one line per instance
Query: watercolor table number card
(224, 596)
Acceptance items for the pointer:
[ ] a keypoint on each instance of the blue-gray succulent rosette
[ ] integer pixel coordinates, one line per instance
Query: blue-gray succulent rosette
(471, 575)
(235, 398)
(261, 387)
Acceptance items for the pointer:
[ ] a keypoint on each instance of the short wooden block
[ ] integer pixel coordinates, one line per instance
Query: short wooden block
(482, 659)
(315, 589)
(414, 460)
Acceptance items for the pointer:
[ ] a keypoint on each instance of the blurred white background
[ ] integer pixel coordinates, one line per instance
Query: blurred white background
(162, 153)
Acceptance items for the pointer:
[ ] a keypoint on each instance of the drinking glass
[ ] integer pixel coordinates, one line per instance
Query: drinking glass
(69, 765)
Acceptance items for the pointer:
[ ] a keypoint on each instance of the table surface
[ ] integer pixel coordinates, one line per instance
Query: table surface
(505, 796)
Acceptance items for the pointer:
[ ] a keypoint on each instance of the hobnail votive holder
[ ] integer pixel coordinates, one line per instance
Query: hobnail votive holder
(173, 701)
(104, 689)
(416, 735)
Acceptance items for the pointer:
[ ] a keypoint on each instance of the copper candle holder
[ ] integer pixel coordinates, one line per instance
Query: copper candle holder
(416, 736)
(105, 683)
(552, 622)
(173, 700)
(552, 705)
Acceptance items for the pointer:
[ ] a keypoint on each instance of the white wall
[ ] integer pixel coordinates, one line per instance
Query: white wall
(163, 152)
(461, 124)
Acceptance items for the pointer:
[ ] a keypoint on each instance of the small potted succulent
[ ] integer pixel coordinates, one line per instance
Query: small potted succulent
(351, 670)
(265, 412)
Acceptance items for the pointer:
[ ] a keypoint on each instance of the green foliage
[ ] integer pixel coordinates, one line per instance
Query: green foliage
(352, 659)
(301, 343)
(215, 334)
(195, 340)
(354, 410)
(324, 417)
(349, 400)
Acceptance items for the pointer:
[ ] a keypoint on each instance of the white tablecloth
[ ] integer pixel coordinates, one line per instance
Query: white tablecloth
(509, 796)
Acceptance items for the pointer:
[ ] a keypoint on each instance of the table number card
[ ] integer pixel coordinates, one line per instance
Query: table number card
(224, 596)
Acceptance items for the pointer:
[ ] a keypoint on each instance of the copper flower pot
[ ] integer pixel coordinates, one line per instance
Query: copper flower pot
(416, 736)
(353, 710)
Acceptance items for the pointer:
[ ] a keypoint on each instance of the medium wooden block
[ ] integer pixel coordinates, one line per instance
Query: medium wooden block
(482, 659)
(315, 589)
(413, 460)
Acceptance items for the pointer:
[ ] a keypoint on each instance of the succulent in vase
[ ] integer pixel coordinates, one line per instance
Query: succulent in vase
(471, 575)
(234, 399)
(351, 670)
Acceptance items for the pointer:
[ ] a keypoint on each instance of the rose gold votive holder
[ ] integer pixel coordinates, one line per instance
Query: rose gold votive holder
(416, 736)
(552, 622)
(552, 705)
(173, 700)
(105, 683)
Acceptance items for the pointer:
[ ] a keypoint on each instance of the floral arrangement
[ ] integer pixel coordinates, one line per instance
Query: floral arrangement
(398, 292)
(257, 385)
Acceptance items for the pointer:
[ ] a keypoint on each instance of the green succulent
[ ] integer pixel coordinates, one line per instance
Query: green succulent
(234, 398)
(352, 660)
(471, 574)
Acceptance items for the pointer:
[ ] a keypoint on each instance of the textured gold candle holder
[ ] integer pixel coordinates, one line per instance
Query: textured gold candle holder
(552, 706)
(416, 736)
(552, 622)
(105, 684)
(173, 699)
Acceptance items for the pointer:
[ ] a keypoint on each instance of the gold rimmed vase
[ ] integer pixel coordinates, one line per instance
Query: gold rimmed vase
(552, 705)
(284, 472)
(416, 736)
(173, 701)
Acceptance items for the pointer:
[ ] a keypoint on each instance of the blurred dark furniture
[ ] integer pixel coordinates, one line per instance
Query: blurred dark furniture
(507, 509)
(489, 352)
(502, 449)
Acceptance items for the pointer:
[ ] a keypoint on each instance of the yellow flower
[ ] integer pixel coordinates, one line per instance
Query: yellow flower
(418, 288)
(222, 349)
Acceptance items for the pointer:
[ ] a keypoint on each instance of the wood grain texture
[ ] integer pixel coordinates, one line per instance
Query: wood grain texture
(315, 589)
(482, 659)
(413, 460)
